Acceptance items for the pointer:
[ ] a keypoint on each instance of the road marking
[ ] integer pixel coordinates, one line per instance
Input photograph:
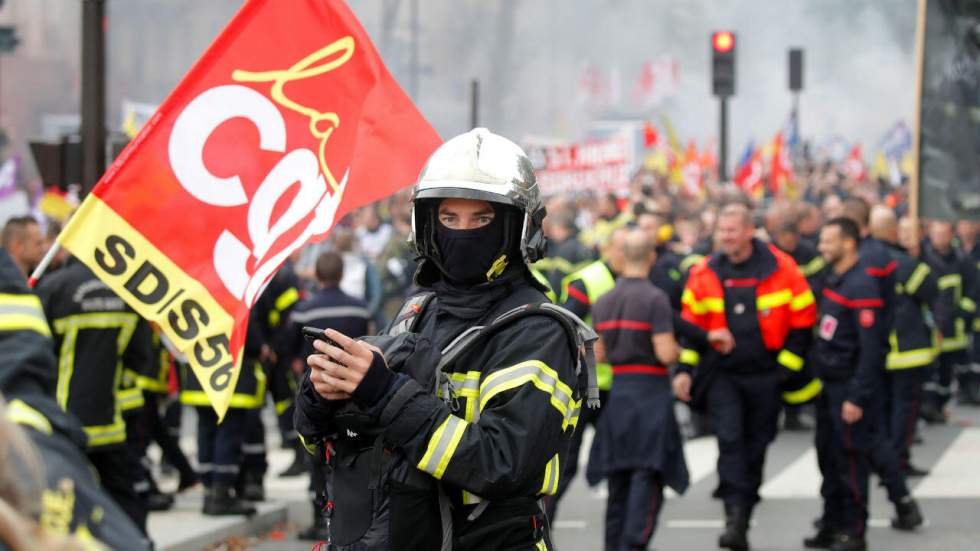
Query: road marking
(801, 478)
(572, 524)
(956, 473)
(701, 455)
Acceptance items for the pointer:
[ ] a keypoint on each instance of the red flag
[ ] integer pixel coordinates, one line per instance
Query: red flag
(854, 165)
(749, 176)
(780, 168)
(258, 151)
(650, 136)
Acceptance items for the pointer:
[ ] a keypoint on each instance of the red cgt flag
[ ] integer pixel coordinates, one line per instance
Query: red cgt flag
(286, 123)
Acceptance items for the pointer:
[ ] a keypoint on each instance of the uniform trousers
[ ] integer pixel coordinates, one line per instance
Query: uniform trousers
(219, 447)
(632, 509)
(904, 396)
(844, 457)
(744, 410)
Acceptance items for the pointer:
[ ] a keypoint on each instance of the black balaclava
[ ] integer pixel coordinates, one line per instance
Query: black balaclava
(468, 255)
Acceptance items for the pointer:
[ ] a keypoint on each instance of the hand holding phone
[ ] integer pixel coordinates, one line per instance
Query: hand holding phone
(313, 334)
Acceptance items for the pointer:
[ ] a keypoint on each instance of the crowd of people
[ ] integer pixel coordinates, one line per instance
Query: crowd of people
(827, 307)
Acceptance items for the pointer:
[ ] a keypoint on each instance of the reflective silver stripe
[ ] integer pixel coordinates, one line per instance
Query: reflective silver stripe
(253, 448)
(442, 446)
(204, 467)
(233, 469)
(533, 371)
(937, 388)
(330, 312)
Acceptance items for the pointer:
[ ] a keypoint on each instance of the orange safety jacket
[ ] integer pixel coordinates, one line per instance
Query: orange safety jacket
(784, 303)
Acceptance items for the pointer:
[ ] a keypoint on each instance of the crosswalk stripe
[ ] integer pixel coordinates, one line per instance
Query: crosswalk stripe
(701, 455)
(801, 478)
(956, 473)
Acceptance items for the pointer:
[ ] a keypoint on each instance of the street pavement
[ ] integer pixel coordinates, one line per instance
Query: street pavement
(949, 496)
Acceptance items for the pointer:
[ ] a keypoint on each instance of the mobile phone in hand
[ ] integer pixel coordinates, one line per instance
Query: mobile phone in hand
(316, 334)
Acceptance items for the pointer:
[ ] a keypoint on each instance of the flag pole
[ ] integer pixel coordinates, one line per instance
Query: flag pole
(43, 266)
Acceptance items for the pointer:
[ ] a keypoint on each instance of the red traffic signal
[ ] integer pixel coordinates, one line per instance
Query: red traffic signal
(723, 41)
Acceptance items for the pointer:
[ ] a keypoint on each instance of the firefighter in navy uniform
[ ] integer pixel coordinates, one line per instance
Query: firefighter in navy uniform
(911, 342)
(220, 451)
(331, 308)
(639, 447)
(877, 262)
(566, 254)
(474, 468)
(957, 279)
(846, 356)
(73, 501)
(579, 291)
(968, 233)
(754, 295)
(98, 338)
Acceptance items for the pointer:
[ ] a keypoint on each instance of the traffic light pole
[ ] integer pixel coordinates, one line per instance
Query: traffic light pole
(723, 139)
(93, 93)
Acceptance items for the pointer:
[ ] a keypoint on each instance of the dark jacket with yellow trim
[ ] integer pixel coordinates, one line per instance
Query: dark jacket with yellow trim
(911, 342)
(957, 277)
(72, 500)
(503, 436)
(101, 344)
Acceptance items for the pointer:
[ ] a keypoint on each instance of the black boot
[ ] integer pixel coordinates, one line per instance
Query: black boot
(188, 481)
(158, 501)
(823, 539)
(735, 536)
(908, 517)
(252, 487)
(847, 542)
(298, 466)
(319, 531)
(911, 471)
(220, 501)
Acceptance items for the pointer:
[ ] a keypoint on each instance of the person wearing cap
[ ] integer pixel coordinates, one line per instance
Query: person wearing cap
(463, 468)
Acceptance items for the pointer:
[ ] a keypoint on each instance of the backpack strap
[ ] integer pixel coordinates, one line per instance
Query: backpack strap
(409, 314)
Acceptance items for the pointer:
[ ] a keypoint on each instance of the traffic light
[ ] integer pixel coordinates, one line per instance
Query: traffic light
(723, 63)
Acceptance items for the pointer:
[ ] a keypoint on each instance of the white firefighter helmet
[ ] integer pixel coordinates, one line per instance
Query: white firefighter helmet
(480, 165)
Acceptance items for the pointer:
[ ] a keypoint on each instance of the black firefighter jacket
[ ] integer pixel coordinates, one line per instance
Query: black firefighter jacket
(72, 500)
(502, 438)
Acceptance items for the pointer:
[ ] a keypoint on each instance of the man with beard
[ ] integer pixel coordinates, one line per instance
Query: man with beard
(465, 469)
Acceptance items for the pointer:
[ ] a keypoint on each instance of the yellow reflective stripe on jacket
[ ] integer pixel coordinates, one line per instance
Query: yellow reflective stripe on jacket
(560, 264)
(802, 300)
(775, 300)
(540, 546)
(102, 435)
(967, 304)
(976, 325)
(899, 359)
(689, 356)
(789, 360)
(537, 373)
(954, 282)
(805, 394)
(19, 412)
(130, 398)
(283, 405)
(915, 280)
(552, 472)
(238, 400)
(958, 341)
(70, 326)
(471, 499)
(23, 313)
(285, 300)
(310, 449)
(813, 266)
(700, 307)
(442, 445)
